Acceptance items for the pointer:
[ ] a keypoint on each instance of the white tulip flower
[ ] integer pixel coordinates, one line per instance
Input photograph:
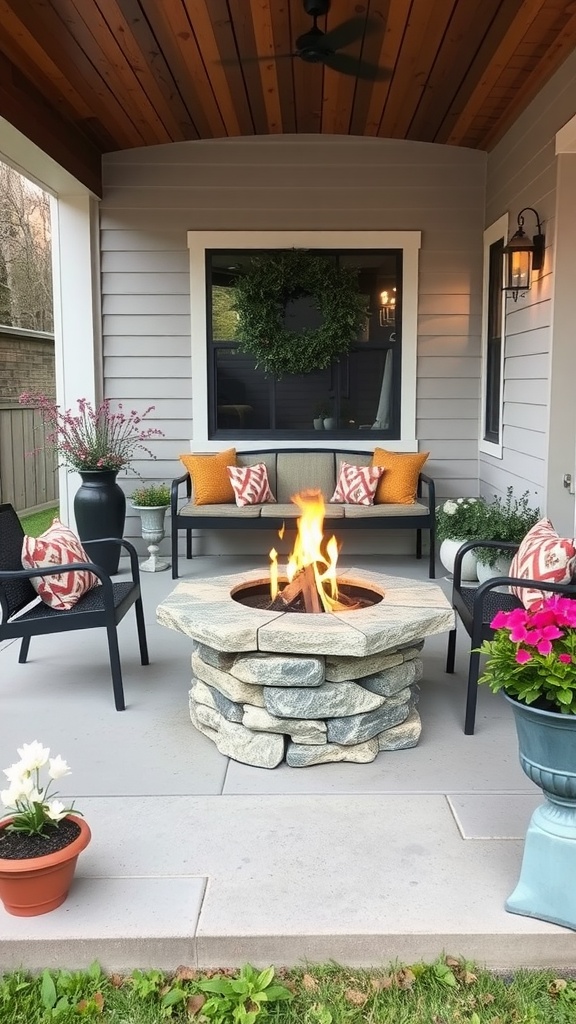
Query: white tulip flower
(56, 810)
(34, 755)
(15, 772)
(58, 768)
(29, 802)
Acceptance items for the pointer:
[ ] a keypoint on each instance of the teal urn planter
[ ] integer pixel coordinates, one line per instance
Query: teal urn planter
(547, 751)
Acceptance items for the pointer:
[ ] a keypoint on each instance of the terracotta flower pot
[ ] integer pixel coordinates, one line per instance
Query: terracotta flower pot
(36, 885)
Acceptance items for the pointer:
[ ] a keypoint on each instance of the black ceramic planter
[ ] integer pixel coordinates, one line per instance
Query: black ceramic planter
(100, 510)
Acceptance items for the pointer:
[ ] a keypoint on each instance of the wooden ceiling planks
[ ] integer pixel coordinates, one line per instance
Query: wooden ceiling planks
(507, 30)
(43, 22)
(339, 90)
(395, 16)
(92, 33)
(464, 34)
(215, 38)
(173, 31)
(425, 29)
(280, 11)
(138, 52)
(115, 74)
(241, 16)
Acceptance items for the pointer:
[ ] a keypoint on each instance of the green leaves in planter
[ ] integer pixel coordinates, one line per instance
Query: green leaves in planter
(507, 519)
(260, 299)
(151, 496)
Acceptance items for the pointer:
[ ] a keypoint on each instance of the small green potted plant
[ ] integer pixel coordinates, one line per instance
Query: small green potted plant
(507, 519)
(151, 501)
(459, 520)
(532, 660)
(323, 419)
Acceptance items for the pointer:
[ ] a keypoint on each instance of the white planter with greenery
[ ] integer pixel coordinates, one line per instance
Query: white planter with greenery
(459, 520)
(507, 519)
(152, 503)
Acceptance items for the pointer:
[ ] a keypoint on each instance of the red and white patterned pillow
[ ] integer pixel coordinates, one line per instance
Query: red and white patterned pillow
(58, 546)
(250, 484)
(357, 485)
(542, 555)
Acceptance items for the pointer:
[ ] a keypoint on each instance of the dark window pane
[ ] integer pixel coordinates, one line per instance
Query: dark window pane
(360, 391)
(494, 343)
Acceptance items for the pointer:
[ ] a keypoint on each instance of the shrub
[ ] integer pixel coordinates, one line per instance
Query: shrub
(151, 495)
(461, 519)
(507, 519)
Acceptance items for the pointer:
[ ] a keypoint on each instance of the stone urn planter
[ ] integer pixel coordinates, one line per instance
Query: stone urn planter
(547, 751)
(152, 518)
(36, 885)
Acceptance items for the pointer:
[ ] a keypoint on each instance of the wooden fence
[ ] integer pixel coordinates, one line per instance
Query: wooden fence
(28, 482)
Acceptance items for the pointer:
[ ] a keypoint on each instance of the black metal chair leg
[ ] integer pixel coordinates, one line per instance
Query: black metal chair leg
(418, 543)
(115, 668)
(24, 649)
(144, 659)
(472, 693)
(188, 543)
(432, 557)
(174, 552)
(451, 653)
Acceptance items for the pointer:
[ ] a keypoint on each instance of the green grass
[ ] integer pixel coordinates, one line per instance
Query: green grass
(37, 522)
(449, 991)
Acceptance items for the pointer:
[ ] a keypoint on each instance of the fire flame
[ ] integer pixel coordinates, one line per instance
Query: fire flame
(310, 550)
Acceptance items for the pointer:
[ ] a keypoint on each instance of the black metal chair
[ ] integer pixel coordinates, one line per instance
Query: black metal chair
(104, 605)
(477, 604)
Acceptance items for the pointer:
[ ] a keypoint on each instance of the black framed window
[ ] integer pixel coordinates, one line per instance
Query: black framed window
(359, 392)
(492, 410)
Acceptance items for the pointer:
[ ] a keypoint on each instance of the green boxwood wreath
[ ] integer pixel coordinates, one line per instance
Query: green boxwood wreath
(260, 301)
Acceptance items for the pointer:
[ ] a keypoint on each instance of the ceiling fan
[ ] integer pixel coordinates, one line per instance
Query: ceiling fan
(318, 47)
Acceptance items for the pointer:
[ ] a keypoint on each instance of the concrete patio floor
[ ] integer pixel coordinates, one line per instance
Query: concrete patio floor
(199, 860)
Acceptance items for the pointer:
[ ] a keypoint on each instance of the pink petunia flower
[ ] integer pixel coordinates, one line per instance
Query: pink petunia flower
(523, 656)
(566, 659)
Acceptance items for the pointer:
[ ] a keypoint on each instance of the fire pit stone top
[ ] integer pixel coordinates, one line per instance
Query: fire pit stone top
(205, 610)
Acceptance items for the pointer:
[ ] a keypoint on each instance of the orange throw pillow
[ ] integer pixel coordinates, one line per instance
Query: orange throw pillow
(210, 478)
(399, 482)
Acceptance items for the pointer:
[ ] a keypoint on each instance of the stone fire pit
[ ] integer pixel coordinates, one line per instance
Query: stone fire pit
(275, 685)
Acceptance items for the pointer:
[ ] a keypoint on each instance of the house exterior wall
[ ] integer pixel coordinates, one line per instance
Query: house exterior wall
(523, 171)
(153, 196)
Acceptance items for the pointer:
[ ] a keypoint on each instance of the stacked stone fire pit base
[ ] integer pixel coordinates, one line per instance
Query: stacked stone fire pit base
(273, 685)
(261, 708)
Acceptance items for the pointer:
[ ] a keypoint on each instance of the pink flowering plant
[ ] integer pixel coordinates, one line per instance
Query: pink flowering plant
(533, 654)
(94, 437)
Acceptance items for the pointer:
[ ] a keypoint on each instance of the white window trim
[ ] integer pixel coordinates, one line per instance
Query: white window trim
(497, 230)
(199, 241)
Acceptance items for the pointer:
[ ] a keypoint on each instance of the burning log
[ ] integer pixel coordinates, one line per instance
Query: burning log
(303, 585)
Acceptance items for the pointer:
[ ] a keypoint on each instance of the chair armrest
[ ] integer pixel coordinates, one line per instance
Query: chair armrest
(134, 565)
(566, 589)
(506, 545)
(428, 482)
(174, 491)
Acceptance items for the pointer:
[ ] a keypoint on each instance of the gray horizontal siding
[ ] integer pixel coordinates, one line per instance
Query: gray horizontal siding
(522, 171)
(153, 196)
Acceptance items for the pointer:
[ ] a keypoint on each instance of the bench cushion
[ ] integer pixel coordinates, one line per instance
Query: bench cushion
(383, 511)
(230, 511)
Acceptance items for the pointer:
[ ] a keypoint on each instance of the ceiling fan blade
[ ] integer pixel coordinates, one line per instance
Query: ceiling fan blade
(348, 65)
(349, 32)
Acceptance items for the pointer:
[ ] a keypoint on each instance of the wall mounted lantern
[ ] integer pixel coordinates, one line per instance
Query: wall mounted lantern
(387, 309)
(523, 255)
